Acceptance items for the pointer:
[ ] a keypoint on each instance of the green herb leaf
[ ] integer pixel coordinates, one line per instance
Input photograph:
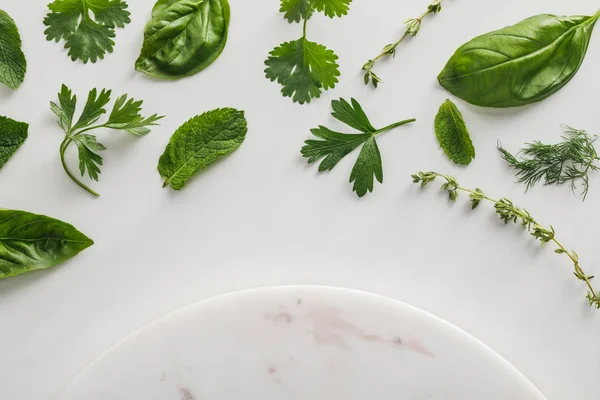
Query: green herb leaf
(453, 135)
(295, 10)
(12, 60)
(519, 64)
(89, 159)
(303, 68)
(183, 37)
(334, 146)
(333, 8)
(200, 142)
(65, 109)
(126, 116)
(86, 38)
(94, 108)
(30, 242)
(12, 135)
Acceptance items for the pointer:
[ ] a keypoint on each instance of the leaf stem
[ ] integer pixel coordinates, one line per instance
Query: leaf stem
(509, 212)
(308, 12)
(63, 147)
(392, 126)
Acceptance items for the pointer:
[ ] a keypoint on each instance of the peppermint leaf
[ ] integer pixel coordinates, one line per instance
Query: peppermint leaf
(453, 135)
(201, 142)
(12, 135)
(304, 68)
(12, 60)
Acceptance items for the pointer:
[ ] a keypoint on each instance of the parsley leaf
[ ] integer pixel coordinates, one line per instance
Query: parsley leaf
(453, 135)
(334, 146)
(124, 116)
(86, 38)
(333, 8)
(12, 60)
(303, 68)
(295, 10)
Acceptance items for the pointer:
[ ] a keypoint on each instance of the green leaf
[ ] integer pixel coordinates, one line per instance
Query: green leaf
(295, 10)
(89, 159)
(94, 108)
(334, 146)
(126, 116)
(368, 165)
(183, 37)
(12, 135)
(65, 109)
(87, 39)
(333, 8)
(352, 115)
(30, 242)
(452, 134)
(12, 60)
(201, 142)
(303, 68)
(519, 64)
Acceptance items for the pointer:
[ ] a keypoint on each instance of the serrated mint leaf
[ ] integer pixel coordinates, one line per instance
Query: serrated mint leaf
(295, 10)
(86, 26)
(12, 60)
(30, 242)
(12, 135)
(200, 142)
(304, 68)
(453, 135)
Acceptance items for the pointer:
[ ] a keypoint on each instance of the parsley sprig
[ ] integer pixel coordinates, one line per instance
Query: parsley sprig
(334, 146)
(413, 26)
(125, 116)
(509, 212)
(302, 67)
(568, 161)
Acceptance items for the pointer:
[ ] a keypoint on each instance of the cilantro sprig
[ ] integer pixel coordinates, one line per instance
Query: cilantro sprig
(87, 38)
(302, 67)
(334, 146)
(125, 116)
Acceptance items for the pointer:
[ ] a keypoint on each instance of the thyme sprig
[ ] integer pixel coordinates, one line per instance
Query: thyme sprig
(413, 26)
(568, 161)
(509, 212)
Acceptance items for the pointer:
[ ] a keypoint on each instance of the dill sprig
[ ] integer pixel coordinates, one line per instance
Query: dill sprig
(509, 212)
(568, 161)
(413, 26)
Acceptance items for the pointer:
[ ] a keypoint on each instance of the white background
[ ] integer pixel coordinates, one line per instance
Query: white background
(264, 217)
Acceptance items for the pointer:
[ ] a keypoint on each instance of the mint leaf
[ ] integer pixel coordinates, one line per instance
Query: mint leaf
(12, 135)
(94, 108)
(87, 39)
(368, 165)
(295, 10)
(334, 146)
(89, 159)
(30, 242)
(126, 116)
(453, 135)
(333, 8)
(12, 60)
(200, 142)
(303, 68)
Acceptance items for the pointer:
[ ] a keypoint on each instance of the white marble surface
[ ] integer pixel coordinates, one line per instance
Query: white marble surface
(300, 343)
(263, 217)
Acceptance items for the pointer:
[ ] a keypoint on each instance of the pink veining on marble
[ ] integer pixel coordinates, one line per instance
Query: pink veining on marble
(330, 328)
(187, 394)
(282, 316)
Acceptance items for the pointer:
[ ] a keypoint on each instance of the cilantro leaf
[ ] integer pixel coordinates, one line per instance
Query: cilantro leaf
(334, 146)
(303, 68)
(453, 135)
(12, 60)
(295, 10)
(12, 135)
(333, 8)
(87, 39)
(89, 159)
(126, 116)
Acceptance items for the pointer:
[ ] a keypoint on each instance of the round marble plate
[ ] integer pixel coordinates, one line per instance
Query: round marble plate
(300, 343)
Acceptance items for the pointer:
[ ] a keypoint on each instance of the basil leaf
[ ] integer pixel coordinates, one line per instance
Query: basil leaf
(453, 135)
(12, 60)
(29, 242)
(519, 64)
(183, 37)
(200, 142)
(12, 136)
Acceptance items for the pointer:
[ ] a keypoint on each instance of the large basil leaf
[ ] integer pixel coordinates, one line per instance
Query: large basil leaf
(29, 242)
(519, 64)
(183, 37)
